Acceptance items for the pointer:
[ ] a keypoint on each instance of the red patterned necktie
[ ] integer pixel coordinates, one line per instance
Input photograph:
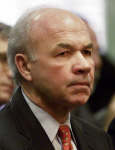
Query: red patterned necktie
(65, 136)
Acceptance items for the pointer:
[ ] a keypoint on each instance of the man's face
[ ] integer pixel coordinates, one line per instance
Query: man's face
(63, 73)
(6, 83)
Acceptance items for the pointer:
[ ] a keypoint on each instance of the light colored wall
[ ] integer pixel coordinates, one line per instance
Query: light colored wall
(110, 7)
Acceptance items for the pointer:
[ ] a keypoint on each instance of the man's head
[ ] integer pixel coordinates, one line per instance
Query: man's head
(52, 51)
(6, 83)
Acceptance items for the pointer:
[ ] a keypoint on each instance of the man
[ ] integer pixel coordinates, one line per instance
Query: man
(50, 53)
(6, 82)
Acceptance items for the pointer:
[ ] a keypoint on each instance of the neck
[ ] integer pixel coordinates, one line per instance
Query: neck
(59, 113)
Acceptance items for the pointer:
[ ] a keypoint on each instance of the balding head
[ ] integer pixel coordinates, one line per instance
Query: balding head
(32, 29)
(52, 17)
(49, 20)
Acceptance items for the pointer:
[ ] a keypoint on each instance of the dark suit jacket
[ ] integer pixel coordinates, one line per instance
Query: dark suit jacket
(20, 130)
(111, 131)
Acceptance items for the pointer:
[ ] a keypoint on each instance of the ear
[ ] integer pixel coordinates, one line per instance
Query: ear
(24, 66)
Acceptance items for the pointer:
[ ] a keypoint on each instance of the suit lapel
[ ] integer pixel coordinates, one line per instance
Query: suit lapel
(83, 139)
(28, 125)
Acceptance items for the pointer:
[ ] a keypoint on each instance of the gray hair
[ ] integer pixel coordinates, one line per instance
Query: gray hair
(19, 42)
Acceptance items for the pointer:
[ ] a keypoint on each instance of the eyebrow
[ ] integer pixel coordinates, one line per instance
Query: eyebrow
(65, 45)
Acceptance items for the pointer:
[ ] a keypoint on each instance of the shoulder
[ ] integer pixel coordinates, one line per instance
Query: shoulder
(8, 125)
(111, 131)
(85, 126)
(6, 119)
(112, 125)
(92, 134)
(9, 131)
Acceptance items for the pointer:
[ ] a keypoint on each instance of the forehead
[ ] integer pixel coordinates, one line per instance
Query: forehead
(58, 25)
(55, 20)
(75, 40)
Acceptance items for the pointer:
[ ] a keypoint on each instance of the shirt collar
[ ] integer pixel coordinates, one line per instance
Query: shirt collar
(49, 124)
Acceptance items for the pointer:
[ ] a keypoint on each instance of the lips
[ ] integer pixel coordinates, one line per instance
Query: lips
(80, 87)
(83, 83)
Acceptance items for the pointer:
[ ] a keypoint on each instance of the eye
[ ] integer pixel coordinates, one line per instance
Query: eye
(87, 52)
(64, 53)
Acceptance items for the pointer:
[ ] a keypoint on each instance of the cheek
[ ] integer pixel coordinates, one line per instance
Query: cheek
(50, 72)
(58, 73)
(53, 68)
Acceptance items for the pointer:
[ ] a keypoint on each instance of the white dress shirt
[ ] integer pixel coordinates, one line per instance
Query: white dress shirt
(49, 124)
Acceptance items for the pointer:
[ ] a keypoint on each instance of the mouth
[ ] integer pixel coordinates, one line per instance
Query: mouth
(81, 84)
(80, 87)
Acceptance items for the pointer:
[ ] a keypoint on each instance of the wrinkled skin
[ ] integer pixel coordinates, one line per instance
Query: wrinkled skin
(62, 76)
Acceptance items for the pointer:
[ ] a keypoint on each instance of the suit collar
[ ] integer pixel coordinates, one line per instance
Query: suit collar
(31, 129)
(82, 135)
(29, 126)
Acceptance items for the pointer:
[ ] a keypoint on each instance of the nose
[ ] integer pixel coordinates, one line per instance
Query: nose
(81, 64)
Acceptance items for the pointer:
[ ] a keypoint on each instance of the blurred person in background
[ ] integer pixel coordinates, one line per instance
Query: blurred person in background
(101, 101)
(6, 82)
(111, 114)
(105, 87)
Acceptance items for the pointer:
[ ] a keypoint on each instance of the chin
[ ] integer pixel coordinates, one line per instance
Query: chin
(82, 102)
(78, 101)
